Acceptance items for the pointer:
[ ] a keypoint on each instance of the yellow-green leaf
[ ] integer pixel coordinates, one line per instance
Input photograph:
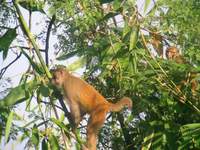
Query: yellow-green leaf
(6, 40)
(54, 143)
(18, 94)
(44, 145)
(44, 90)
(114, 48)
(77, 64)
(33, 5)
(147, 2)
(35, 136)
(35, 66)
(133, 37)
(8, 125)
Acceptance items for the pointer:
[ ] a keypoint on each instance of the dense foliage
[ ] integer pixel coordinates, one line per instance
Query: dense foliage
(121, 46)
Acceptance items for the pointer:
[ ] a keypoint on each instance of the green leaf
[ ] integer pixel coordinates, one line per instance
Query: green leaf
(109, 15)
(126, 29)
(68, 55)
(133, 37)
(6, 40)
(35, 66)
(44, 144)
(18, 94)
(35, 136)
(113, 49)
(147, 2)
(147, 141)
(62, 117)
(1, 131)
(105, 1)
(77, 64)
(190, 136)
(60, 124)
(8, 125)
(191, 130)
(30, 123)
(44, 90)
(117, 4)
(33, 5)
(190, 126)
(54, 143)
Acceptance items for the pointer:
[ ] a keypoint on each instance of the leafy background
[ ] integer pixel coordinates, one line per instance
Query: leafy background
(121, 47)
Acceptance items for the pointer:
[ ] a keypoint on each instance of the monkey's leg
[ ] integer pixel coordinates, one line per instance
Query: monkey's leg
(75, 113)
(96, 120)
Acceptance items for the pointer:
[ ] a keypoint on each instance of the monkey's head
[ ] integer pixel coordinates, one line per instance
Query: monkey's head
(59, 77)
(172, 52)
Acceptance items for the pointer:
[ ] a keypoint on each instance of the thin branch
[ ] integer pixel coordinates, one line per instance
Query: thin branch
(27, 32)
(127, 136)
(154, 2)
(62, 131)
(47, 39)
(67, 113)
(4, 27)
(48, 103)
(27, 48)
(3, 70)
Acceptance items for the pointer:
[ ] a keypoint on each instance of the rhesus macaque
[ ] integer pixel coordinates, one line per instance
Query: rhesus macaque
(172, 53)
(157, 44)
(82, 98)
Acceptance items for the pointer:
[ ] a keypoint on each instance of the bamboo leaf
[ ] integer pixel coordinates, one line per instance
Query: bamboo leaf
(31, 38)
(126, 30)
(8, 125)
(6, 40)
(109, 15)
(147, 141)
(35, 136)
(77, 64)
(146, 5)
(133, 37)
(36, 67)
(44, 145)
(18, 94)
(60, 124)
(190, 134)
(105, 1)
(68, 55)
(44, 90)
(33, 5)
(54, 143)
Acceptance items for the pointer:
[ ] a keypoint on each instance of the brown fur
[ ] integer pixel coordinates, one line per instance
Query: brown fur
(83, 98)
(172, 53)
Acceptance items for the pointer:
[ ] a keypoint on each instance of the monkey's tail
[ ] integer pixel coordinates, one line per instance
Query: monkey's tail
(124, 102)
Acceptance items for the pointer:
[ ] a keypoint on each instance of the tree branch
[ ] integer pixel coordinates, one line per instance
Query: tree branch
(27, 32)
(67, 113)
(3, 70)
(125, 132)
(47, 39)
(27, 48)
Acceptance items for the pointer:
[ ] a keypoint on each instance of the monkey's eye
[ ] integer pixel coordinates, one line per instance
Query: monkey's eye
(54, 78)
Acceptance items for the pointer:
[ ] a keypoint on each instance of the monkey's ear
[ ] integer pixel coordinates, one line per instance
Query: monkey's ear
(62, 72)
(52, 71)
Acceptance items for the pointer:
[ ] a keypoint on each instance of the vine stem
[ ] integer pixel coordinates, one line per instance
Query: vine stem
(27, 32)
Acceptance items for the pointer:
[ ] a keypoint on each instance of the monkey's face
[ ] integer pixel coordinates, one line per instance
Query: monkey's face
(58, 78)
(170, 54)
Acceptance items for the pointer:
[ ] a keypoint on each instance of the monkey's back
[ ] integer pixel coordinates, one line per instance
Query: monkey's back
(88, 97)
